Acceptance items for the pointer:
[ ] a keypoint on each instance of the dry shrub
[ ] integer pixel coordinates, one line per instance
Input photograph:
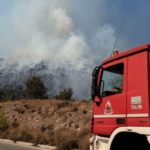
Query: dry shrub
(15, 124)
(86, 119)
(76, 126)
(20, 110)
(70, 144)
(33, 110)
(44, 139)
(65, 138)
(50, 127)
(51, 138)
(53, 111)
(84, 143)
(43, 128)
(70, 114)
(65, 118)
(84, 111)
(27, 137)
(70, 122)
(75, 109)
(83, 132)
(64, 104)
(4, 135)
(14, 135)
(45, 113)
(23, 133)
(40, 138)
(62, 111)
(27, 106)
(32, 116)
(39, 110)
(86, 103)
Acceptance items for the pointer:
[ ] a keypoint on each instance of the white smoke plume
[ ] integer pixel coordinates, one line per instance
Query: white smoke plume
(46, 31)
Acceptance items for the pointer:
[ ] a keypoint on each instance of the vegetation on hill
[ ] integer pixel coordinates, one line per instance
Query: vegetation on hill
(34, 88)
(65, 94)
(64, 124)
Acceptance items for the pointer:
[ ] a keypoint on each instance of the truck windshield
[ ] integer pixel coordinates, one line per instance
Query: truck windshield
(112, 78)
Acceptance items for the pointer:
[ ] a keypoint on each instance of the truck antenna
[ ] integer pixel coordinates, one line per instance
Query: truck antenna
(114, 46)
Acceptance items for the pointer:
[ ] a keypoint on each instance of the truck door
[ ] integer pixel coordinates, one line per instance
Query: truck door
(111, 113)
(137, 91)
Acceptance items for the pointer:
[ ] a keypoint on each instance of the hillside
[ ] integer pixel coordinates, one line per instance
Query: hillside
(50, 121)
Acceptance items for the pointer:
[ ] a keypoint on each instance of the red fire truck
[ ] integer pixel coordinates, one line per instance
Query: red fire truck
(121, 101)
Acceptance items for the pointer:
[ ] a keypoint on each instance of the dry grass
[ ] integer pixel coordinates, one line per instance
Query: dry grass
(86, 119)
(76, 126)
(70, 122)
(84, 143)
(64, 136)
(65, 118)
(44, 127)
(64, 110)
(45, 118)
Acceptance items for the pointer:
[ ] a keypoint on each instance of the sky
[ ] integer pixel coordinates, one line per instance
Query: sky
(126, 20)
(75, 32)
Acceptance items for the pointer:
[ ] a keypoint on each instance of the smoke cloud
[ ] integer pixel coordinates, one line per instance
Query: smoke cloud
(48, 32)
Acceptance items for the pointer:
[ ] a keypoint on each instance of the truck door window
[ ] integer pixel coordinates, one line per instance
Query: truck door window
(112, 78)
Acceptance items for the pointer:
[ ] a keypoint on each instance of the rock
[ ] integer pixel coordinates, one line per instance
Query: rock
(78, 129)
(64, 125)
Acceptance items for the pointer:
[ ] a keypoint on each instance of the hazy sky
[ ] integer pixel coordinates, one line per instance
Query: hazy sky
(75, 32)
(128, 20)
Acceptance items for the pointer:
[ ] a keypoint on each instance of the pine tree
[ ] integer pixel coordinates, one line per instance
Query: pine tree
(35, 88)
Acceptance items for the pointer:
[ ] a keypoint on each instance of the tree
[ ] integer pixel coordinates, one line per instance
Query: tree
(35, 88)
(12, 95)
(65, 95)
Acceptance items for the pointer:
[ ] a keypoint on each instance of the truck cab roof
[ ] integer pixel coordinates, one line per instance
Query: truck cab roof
(127, 53)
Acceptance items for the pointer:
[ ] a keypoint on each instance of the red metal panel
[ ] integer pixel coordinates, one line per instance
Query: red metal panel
(118, 102)
(137, 90)
(126, 53)
(149, 82)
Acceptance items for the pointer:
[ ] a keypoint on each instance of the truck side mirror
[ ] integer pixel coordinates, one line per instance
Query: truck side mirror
(94, 87)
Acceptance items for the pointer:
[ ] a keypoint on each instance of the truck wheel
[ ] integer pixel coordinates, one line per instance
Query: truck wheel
(130, 141)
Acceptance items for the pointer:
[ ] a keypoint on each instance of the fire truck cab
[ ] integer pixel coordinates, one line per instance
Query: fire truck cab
(121, 101)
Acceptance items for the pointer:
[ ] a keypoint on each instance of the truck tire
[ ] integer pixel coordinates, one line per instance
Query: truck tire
(130, 141)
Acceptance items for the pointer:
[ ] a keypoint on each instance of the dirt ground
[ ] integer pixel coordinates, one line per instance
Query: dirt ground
(51, 113)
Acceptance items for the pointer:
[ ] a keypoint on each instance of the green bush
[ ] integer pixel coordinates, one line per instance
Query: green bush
(3, 121)
(65, 94)
(35, 88)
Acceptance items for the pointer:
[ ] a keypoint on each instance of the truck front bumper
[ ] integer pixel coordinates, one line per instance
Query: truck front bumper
(99, 143)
